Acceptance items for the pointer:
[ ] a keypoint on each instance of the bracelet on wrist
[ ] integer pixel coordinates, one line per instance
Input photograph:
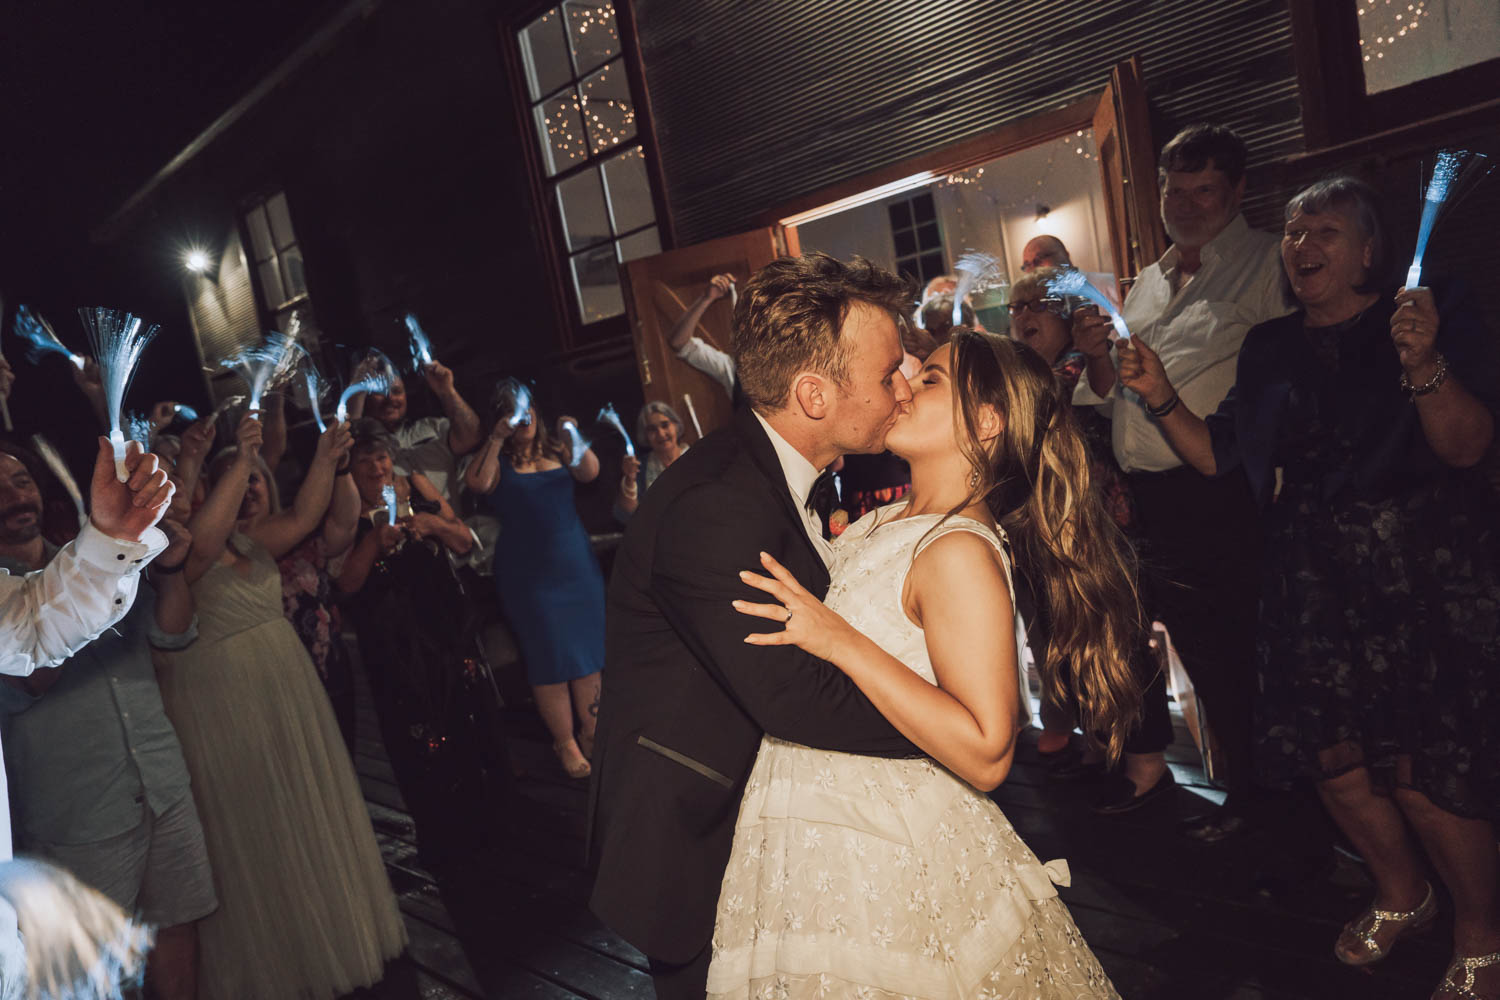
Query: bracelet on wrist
(1439, 375)
(157, 569)
(1157, 412)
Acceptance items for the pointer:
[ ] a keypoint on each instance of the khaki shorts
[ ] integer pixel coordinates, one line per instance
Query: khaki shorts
(158, 871)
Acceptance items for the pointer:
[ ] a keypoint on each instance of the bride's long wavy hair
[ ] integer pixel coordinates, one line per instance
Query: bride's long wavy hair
(1035, 478)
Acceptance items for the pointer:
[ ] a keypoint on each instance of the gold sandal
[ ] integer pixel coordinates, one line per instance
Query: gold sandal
(1465, 989)
(1363, 929)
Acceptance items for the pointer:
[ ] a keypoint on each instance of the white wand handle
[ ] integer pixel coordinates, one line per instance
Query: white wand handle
(117, 440)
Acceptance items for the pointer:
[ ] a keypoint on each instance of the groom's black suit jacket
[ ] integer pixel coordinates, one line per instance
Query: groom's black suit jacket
(686, 700)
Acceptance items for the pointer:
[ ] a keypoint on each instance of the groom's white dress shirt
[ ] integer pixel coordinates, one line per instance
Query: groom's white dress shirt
(800, 475)
(47, 616)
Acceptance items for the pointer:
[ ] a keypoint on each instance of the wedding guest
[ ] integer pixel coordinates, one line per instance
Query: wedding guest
(288, 833)
(308, 592)
(1194, 307)
(661, 428)
(111, 802)
(1359, 421)
(549, 580)
(434, 695)
(696, 351)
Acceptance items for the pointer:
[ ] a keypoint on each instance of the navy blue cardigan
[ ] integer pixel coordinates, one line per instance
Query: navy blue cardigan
(1391, 451)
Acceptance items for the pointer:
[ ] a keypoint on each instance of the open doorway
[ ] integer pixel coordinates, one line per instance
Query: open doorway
(1052, 188)
(1091, 164)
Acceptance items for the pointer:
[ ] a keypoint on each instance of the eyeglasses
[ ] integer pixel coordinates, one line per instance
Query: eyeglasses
(1048, 304)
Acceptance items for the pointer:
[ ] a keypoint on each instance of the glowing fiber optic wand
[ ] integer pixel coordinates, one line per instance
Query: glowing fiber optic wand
(315, 389)
(1454, 174)
(421, 345)
(1072, 282)
(520, 397)
(576, 441)
(609, 416)
(378, 383)
(975, 273)
(118, 340)
(388, 494)
(34, 328)
(268, 366)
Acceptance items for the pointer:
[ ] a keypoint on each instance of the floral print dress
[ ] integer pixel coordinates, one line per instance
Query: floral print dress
(1380, 603)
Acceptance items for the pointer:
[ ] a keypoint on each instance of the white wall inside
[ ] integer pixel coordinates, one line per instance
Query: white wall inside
(993, 208)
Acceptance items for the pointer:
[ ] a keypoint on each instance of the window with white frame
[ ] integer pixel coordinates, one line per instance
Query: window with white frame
(584, 119)
(917, 238)
(275, 259)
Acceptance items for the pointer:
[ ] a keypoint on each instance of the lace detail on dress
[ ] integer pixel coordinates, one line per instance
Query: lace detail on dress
(861, 877)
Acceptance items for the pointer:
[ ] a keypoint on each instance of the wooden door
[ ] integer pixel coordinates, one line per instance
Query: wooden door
(1127, 161)
(660, 289)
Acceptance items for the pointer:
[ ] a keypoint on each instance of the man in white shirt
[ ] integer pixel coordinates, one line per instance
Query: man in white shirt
(47, 616)
(696, 351)
(1194, 307)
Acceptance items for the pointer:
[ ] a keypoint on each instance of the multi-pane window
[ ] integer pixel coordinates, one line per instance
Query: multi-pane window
(595, 168)
(917, 238)
(276, 259)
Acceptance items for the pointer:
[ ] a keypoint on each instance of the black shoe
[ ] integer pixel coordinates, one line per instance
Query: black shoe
(1214, 827)
(1123, 799)
(1072, 767)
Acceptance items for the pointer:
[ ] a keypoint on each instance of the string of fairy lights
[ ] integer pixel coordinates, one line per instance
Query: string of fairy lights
(1398, 21)
(1082, 145)
(600, 101)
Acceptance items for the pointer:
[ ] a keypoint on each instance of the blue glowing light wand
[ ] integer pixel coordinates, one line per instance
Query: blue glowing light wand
(1072, 282)
(519, 395)
(138, 429)
(34, 328)
(609, 416)
(421, 345)
(118, 340)
(268, 366)
(186, 412)
(577, 444)
(976, 272)
(377, 382)
(316, 387)
(1453, 175)
(388, 494)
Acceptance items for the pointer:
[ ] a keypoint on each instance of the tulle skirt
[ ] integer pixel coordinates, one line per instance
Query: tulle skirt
(306, 909)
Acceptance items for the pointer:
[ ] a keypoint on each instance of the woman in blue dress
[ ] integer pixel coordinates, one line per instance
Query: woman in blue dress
(551, 588)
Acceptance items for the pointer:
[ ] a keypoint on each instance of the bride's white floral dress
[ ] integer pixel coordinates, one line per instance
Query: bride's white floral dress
(862, 877)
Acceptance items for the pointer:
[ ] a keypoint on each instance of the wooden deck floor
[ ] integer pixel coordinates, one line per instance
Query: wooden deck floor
(1168, 918)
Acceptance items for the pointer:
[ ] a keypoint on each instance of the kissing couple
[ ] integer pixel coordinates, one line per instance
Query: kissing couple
(796, 736)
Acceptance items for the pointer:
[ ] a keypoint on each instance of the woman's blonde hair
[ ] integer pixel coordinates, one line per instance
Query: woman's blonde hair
(1035, 478)
(222, 461)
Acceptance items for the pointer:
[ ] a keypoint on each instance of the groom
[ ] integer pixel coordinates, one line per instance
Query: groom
(685, 700)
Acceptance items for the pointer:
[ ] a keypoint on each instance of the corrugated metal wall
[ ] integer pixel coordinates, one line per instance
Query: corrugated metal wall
(223, 311)
(757, 103)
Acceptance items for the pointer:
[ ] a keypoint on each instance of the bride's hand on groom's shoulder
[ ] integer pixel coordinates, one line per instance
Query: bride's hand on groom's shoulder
(805, 621)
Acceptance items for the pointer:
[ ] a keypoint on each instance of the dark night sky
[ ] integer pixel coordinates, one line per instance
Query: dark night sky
(95, 97)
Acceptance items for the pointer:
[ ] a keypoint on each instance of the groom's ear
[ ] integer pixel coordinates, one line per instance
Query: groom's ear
(810, 394)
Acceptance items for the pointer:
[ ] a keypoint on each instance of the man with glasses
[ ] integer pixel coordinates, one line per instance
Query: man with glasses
(1194, 307)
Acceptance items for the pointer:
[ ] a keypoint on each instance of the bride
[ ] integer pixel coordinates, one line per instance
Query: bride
(872, 878)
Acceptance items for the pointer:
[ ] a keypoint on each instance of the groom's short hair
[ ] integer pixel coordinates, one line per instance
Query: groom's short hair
(790, 314)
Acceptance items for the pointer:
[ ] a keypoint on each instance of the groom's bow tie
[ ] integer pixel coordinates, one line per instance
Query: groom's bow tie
(822, 498)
